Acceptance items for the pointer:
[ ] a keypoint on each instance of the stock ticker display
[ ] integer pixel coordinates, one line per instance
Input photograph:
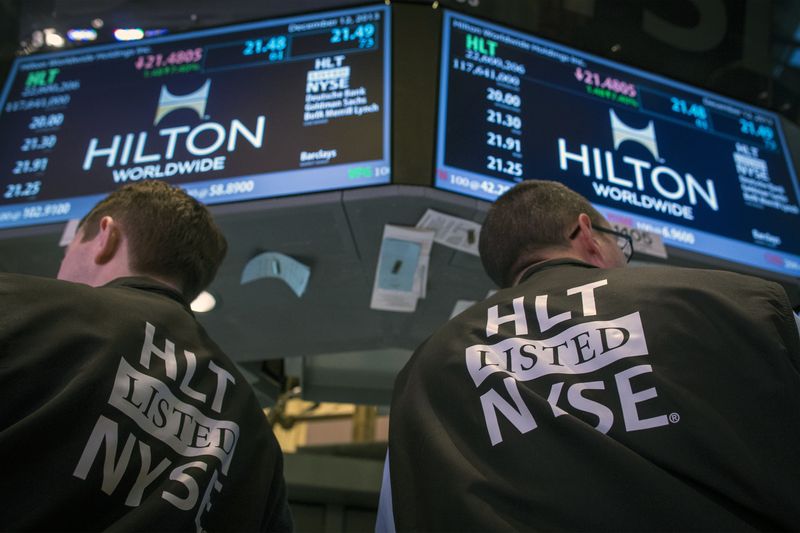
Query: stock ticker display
(709, 174)
(249, 111)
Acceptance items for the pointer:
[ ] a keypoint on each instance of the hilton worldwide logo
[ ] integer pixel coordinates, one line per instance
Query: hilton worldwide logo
(178, 149)
(621, 132)
(196, 101)
(624, 178)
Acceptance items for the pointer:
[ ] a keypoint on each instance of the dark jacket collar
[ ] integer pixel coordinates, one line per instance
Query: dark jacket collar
(551, 263)
(150, 285)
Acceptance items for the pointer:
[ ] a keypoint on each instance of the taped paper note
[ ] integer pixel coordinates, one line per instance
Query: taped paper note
(454, 232)
(401, 274)
(277, 265)
(398, 267)
(70, 229)
(461, 306)
(644, 242)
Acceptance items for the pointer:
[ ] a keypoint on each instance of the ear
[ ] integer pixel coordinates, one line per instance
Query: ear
(586, 241)
(108, 241)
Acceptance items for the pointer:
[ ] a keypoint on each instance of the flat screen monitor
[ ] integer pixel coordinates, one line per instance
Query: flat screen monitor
(256, 110)
(710, 174)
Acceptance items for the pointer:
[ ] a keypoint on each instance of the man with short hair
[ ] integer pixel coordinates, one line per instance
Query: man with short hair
(118, 411)
(584, 396)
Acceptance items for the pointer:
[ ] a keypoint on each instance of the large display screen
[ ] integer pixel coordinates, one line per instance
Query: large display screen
(249, 111)
(709, 174)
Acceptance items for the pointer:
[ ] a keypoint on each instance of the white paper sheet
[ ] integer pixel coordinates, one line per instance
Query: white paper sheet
(454, 232)
(277, 265)
(401, 275)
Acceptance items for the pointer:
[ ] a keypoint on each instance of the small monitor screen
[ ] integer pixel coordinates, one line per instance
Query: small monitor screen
(709, 174)
(250, 111)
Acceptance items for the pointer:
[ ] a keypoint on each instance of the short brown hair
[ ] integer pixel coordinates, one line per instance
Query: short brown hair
(170, 234)
(532, 216)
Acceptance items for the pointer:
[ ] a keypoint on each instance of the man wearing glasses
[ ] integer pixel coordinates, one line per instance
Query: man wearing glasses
(584, 396)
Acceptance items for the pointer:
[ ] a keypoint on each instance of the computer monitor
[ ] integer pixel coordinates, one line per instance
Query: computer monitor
(256, 110)
(711, 175)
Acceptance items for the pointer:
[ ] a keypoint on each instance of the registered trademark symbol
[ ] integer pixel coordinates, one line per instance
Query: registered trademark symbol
(674, 418)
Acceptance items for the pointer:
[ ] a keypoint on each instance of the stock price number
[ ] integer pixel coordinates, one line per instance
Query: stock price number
(45, 142)
(179, 57)
(493, 188)
(363, 33)
(761, 131)
(608, 82)
(681, 106)
(504, 98)
(41, 122)
(274, 47)
(504, 119)
(504, 166)
(22, 190)
(48, 210)
(679, 235)
(234, 187)
(30, 166)
(695, 111)
(512, 144)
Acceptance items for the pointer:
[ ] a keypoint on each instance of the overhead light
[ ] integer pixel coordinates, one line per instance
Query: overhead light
(37, 39)
(81, 34)
(204, 302)
(52, 38)
(97, 23)
(128, 34)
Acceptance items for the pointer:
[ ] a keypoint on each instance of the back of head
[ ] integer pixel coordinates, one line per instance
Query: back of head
(532, 217)
(170, 234)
